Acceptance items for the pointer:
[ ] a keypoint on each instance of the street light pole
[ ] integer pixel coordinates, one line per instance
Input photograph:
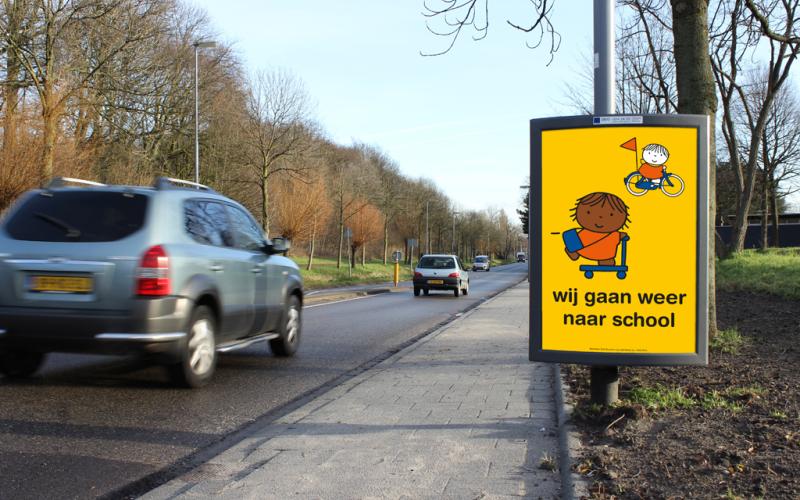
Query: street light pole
(197, 46)
(604, 380)
(427, 230)
(453, 244)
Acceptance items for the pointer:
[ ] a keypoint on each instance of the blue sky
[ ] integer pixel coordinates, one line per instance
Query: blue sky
(460, 119)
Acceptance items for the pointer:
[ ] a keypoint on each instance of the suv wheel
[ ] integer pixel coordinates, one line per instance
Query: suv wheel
(416, 291)
(20, 364)
(289, 334)
(457, 290)
(199, 356)
(465, 290)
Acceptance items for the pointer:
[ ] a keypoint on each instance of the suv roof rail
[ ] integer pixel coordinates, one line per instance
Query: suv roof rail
(171, 183)
(57, 182)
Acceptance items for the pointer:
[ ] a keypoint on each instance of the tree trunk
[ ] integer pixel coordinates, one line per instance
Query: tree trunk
(697, 94)
(765, 213)
(385, 240)
(364, 255)
(341, 242)
(265, 201)
(775, 216)
(313, 240)
(11, 97)
(49, 118)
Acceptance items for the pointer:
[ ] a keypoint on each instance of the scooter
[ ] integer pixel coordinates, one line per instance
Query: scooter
(621, 269)
(573, 243)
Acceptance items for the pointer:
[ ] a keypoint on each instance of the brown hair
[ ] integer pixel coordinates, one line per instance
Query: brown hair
(601, 199)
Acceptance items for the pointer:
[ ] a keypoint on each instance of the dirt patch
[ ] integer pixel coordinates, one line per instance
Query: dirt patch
(728, 430)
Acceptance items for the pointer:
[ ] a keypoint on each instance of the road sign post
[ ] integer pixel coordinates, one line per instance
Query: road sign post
(396, 256)
(621, 249)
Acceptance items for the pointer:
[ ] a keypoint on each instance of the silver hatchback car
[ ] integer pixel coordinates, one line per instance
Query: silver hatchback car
(176, 272)
(441, 272)
(482, 262)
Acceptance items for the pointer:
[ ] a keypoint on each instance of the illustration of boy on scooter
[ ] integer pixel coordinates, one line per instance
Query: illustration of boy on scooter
(600, 217)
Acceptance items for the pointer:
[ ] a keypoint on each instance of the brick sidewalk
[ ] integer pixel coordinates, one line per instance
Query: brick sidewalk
(460, 414)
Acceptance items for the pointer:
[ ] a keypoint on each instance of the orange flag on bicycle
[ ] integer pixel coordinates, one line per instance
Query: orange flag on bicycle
(630, 144)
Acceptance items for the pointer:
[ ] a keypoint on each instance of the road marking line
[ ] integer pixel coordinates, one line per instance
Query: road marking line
(340, 301)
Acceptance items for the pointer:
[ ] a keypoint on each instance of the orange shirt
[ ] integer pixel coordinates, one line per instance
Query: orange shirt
(651, 171)
(598, 246)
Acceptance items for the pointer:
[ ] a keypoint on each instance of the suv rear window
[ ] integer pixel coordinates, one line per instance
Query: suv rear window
(79, 216)
(436, 263)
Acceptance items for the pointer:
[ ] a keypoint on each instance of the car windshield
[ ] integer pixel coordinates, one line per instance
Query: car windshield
(480, 259)
(79, 216)
(437, 263)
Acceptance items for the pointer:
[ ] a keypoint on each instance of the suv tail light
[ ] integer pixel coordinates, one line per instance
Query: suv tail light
(152, 277)
(453, 275)
(417, 275)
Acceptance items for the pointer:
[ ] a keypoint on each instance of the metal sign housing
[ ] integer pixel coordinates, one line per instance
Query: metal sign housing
(619, 240)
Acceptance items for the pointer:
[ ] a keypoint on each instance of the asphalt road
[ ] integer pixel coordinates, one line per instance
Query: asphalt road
(92, 426)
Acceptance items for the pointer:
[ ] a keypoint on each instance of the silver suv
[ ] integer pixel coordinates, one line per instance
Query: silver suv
(176, 272)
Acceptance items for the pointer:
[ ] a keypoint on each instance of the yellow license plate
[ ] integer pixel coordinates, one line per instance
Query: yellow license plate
(61, 284)
(435, 282)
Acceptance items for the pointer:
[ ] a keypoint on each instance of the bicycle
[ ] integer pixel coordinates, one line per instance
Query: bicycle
(671, 184)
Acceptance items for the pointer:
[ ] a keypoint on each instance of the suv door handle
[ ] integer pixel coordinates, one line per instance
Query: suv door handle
(216, 268)
(257, 269)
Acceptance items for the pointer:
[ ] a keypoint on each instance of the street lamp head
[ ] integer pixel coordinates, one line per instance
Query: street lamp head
(204, 44)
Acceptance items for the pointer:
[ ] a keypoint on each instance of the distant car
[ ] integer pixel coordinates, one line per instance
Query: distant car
(441, 272)
(176, 272)
(521, 256)
(481, 263)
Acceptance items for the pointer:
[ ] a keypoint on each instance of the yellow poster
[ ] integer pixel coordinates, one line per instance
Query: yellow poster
(619, 240)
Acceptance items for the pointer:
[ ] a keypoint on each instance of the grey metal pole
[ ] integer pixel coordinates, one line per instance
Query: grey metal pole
(427, 231)
(453, 243)
(604, 32)
(604, 379)
(197, 46)
(196, 118)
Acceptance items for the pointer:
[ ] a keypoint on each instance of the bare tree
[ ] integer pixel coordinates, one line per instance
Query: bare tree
(59, 66)
(727, 59)
(366, 226)
(779, 157)
(386, 190)
(300, 207)
(279, 130)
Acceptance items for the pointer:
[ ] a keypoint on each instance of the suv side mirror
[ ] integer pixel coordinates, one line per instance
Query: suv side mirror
(280, 245)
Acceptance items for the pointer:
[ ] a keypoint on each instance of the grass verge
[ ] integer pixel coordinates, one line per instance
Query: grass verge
(775, 271)
(325, 274)
(660, 397)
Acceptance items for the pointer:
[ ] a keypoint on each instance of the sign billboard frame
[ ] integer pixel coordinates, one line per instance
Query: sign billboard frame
(536, 351)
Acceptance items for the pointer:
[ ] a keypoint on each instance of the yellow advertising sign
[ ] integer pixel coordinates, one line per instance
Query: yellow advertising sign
(618, 231)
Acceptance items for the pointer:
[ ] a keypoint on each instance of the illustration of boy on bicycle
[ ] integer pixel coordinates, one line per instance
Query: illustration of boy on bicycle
(654, 157)
(652, 172)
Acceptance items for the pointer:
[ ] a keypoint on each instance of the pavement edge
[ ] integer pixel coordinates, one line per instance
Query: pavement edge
(572, 484)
